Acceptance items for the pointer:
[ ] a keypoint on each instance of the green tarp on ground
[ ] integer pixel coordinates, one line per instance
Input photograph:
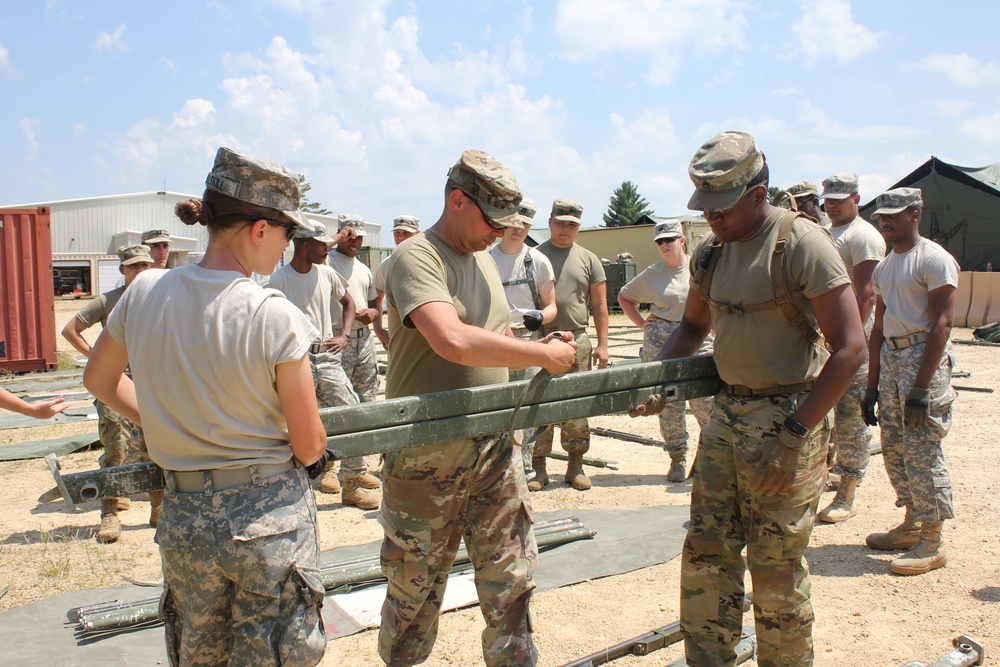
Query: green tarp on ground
(39, 449)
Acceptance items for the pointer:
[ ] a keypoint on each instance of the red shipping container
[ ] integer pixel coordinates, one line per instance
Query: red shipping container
(27, 301)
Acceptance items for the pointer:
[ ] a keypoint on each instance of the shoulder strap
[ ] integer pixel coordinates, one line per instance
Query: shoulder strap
(782, 297)
(702, 280)
(529, 273)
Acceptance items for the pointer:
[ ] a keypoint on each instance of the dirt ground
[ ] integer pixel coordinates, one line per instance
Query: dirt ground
(864, 614)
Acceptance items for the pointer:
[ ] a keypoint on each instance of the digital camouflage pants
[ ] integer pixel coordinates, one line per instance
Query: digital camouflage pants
(851, 436)
(334, 389)
(673, 425)
(726, 515)
(241, 574)
(914, 458)
(433, 497)
(360, 362)
(574, 435)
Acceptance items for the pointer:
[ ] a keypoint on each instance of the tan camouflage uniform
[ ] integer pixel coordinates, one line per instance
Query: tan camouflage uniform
(242, 564)
(574, 435)
(914, 460)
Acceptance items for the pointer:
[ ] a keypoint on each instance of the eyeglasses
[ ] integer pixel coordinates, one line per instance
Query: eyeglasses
(290, 228)
(492, 225)
(665, 241)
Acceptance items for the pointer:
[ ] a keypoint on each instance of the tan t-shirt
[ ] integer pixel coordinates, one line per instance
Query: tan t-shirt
(762, 349)
(204, 346)
(903, 280)
(576, 269)
(663, 288)
(99, 309)
(360, 285)
(858, 242)
(511, 269)
(428, 270)
(312, 293)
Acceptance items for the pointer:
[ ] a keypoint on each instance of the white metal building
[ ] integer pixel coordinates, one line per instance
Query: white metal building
(86, 232)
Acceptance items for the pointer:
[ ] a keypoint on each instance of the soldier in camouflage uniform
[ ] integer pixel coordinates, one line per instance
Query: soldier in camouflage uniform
(448, 292)
(121, 438)
(762, 463)
(806, 198)
(664, 286)
(237, 534)
(910, 378)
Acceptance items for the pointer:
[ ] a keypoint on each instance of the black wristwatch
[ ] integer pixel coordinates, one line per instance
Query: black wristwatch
(795, 427)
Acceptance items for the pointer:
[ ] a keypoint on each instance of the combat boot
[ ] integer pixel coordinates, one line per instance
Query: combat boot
(928, 553)
(902, 537)
(111, 528)
(369, 481)
(155, 500)
(574, 472)
(842, 508)
(678, 466)
(330, 483)
(356, 495)
(123, 504)
(541, 475)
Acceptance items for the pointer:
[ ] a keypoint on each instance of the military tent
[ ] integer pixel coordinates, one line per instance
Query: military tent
(961, 209)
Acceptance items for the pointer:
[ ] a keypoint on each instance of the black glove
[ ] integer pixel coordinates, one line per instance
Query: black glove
(777, 460)
(918, 407)
(532, 323)
(868, 404)
(315, 470)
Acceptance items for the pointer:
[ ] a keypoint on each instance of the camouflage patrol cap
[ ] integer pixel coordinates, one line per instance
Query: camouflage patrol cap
(490, 184)
(803, 189)
(314, 230)
(526, 210)
(134, 254)
(256, 181)
(155, 236)
(898, 200)
(406, 223)
(566, 210)
(840, 186)
(669, 229)
(352, 220)
(721, 170)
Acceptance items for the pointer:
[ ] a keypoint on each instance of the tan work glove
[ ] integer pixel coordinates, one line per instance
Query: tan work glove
(653, 405)
(777, 459)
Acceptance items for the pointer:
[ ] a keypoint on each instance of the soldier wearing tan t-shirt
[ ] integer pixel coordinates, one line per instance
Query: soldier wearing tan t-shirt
(762, 462)
(403, 227)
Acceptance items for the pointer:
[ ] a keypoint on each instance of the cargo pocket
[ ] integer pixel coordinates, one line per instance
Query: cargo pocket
(405, 551)
(303, 640)
(168, 614)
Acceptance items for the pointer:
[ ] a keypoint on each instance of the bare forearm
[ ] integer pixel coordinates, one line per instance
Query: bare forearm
(937, 339)
(76, 339)
(683, 342)
(631, 311)
(875, 356)
(601, 323)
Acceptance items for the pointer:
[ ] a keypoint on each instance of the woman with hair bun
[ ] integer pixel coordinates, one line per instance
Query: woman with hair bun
(225, 396)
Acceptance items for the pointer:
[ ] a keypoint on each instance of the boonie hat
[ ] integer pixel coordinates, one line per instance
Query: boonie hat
(490, 184)
(352, 220)
(526, 210)
(803, 189)
(256, 181)
(896, 201)
(314, 230)
(134, 254)
(721, 169)
(567, 210)
(840, 186)
(670, 229)
(406, 223)
(155, 236)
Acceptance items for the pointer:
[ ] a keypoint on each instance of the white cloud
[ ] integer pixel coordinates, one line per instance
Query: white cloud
(660, 28)
(984, 129)
(27, 126)
(826, 128)
(79, 129)
(961, 68)
(111, 42)
(168, 64)
(55, 11)
(827, 30)
(952, 108)
(4, 59)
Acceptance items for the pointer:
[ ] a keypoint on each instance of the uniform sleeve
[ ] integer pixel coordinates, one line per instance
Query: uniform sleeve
(816, 266)
(380, 275)
(938, 270)
(866, 246)
(639, 289)
(417, 278)
(93, 312)
(118, 316)
(542, 268)
(372, 294)
(597, 274)
(876, 275)
(286, 332)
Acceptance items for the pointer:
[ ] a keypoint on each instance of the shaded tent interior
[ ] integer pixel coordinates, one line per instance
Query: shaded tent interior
(961, 209)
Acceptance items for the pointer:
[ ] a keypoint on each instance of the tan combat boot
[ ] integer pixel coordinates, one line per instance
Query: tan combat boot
(842, 508)
(541, 475)
(902, 537)
(678, 466)
(356, 495)
(928, 553)
(574, 472)
(330, 483)
(111, 528)
(369, 481)
(155, 500)
(123, 504)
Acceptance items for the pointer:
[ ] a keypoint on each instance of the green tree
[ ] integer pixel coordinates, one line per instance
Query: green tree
(305, 204)
(626, 206)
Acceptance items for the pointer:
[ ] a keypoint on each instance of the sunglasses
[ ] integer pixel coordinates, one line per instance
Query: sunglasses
(492, 225)
(290, 228)
(664, 241)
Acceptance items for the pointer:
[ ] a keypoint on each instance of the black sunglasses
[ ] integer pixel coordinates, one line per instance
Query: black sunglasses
(492, 225)
(670, 240)
(290, 228)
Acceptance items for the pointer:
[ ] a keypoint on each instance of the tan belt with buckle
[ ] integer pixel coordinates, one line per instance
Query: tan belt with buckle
(360, 333)
(220, 479)
(903, 342)
(749, 392)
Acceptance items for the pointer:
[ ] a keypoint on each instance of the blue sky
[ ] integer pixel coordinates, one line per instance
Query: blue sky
(373, 100)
